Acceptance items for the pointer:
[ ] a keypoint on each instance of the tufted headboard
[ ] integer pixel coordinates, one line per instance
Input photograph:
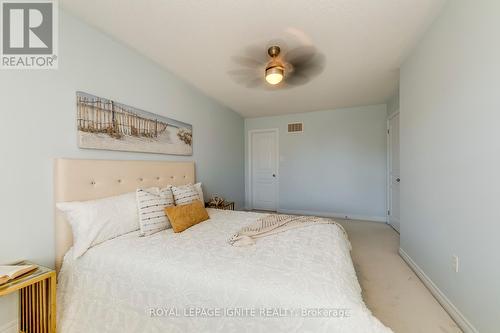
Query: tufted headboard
(80, 180)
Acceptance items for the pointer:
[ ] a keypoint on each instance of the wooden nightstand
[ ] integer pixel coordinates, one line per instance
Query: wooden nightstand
(37, 299)
(226, 205)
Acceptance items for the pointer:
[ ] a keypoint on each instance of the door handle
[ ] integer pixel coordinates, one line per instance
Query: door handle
(398, 180)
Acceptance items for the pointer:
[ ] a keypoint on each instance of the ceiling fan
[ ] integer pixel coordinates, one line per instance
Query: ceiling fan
(278, 69)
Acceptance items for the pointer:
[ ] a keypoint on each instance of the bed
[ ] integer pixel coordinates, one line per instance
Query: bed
(301, 280)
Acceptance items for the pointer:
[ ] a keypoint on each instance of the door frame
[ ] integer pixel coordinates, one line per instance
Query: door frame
(388, 171)
(250, 163)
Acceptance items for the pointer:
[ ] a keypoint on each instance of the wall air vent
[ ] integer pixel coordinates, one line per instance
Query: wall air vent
(295, 127)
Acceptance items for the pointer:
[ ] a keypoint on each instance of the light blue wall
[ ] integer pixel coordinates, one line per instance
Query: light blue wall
(450, 157)
(38, 124)
(336, 167)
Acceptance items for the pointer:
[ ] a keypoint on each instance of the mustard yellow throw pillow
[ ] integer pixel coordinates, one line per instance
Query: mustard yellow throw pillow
(185, 216)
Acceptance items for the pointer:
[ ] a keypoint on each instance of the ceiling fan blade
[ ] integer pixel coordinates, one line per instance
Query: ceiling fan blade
(243, 72)
(300, 55)
(256, 52)
(252, 56)
(312, 67)
(297, 79)
(304, 69)
(251, 84)
(255, 83)
(247, 61)
(247, 77)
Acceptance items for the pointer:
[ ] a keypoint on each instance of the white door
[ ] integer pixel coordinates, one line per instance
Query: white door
(394, 175)
(264, 169)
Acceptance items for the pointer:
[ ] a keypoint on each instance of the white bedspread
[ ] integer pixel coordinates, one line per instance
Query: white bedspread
(158, 283)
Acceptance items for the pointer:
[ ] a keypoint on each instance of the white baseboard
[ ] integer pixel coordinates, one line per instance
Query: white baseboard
(10, 327)
(333, 214)
(452, 310)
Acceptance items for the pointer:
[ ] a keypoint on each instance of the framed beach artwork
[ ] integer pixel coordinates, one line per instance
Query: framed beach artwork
(109, 125)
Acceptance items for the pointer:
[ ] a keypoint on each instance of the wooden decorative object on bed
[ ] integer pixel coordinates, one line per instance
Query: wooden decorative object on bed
(80, 180)
(225, 205)
(37, 299)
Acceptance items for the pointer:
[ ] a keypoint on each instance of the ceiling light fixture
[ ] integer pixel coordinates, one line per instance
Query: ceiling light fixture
(274, 75)
(274, 69)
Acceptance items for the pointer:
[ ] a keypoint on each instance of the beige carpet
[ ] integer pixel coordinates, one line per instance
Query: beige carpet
(391, 290)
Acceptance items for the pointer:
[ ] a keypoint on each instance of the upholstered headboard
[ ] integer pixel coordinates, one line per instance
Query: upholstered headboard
(79, 180)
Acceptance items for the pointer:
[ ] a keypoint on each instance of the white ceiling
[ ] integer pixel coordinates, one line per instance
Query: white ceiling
(363, 41)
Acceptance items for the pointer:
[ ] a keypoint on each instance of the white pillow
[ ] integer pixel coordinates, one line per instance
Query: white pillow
(96, 221)
(198, 188)
(151, 204)
(185, 194)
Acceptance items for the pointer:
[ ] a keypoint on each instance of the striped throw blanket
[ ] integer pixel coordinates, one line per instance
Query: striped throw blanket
(275, 223)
